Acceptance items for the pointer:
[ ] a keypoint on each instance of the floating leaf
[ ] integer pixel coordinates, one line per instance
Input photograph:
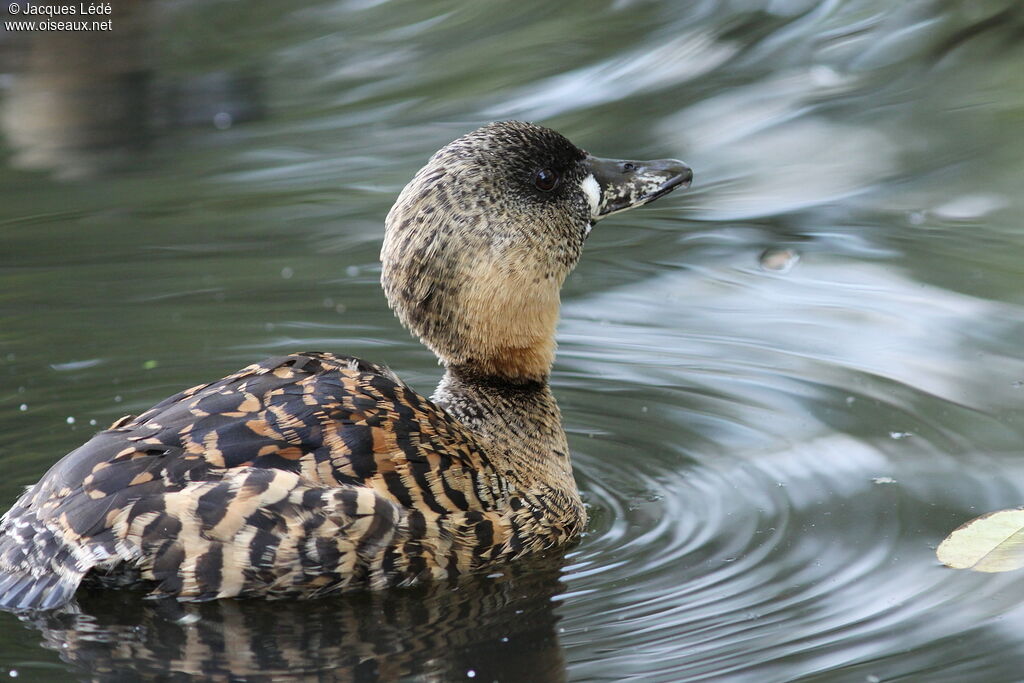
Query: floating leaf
(990, 543)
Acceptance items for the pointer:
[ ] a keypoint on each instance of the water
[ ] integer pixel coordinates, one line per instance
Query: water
(782, 388)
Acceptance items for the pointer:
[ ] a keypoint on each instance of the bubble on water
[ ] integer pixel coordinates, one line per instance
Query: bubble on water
(92, 422)
(23, 407)
(778, 260)
(70, 420)
(118, 399)
(471, 674)
(287, 272)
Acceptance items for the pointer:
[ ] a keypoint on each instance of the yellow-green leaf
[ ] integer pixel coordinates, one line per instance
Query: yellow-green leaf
(990, 543)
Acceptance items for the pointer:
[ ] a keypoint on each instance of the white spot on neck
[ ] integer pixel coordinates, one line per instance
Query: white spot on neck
(593, 192)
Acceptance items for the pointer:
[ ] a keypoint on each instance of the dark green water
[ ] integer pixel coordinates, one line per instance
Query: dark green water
(770, 456)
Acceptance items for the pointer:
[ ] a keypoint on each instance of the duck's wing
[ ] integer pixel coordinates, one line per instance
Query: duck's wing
(295, 468)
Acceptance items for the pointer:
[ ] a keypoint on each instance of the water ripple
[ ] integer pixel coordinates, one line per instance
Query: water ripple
(769, 457)
(763, 515)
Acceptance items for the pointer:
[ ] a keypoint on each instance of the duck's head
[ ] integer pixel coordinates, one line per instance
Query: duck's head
(479, 242)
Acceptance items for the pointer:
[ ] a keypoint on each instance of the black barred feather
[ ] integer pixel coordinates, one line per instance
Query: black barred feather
(300, 475)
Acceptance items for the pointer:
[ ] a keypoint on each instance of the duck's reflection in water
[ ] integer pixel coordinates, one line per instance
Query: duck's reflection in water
(482, 628)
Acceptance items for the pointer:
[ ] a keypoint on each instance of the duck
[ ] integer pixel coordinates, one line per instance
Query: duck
(313, 473)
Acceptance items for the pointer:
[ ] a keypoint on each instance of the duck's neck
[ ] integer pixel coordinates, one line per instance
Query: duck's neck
(518, 423)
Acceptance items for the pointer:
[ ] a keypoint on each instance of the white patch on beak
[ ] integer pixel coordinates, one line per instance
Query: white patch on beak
(593, 192)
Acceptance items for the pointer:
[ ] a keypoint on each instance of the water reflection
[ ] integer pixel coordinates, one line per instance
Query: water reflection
(76, 98)
(84, 103)
(812, 506)
(498, 628)
(781, 388)
(826, 318)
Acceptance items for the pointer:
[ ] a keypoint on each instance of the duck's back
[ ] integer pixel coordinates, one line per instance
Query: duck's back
(299, 475)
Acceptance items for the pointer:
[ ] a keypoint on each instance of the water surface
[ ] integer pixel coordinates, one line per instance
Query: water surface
(782, 388)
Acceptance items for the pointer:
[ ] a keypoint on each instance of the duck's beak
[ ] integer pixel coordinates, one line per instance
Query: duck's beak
(622, 184)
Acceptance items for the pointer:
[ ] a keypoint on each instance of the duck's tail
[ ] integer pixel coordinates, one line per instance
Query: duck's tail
(21, 592)
(38, 568)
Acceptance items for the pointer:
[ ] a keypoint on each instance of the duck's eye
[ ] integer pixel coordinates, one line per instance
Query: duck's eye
(545, 180)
